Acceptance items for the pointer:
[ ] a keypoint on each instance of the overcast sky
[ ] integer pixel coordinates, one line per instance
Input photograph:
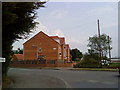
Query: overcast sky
(77, 21)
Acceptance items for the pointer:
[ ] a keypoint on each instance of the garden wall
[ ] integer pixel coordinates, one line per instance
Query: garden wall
(39, 63)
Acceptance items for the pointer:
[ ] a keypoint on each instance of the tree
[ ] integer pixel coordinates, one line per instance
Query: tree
(18, 51)
(103, 45)
(18, 22)
(76, 54)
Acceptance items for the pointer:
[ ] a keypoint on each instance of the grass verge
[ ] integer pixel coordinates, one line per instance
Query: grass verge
(95, 69)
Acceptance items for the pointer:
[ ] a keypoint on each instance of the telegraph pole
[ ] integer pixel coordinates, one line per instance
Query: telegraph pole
(109, 48)
(99, 40)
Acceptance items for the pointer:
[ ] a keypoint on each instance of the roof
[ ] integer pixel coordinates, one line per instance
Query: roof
(67, 46)
(54, 37)
(39, 33)
(62, 39)
(18, 56)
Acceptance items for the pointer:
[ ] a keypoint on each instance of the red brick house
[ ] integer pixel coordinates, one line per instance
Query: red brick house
(47, 47)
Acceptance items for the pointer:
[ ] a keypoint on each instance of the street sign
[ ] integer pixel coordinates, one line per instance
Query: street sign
(2, 59)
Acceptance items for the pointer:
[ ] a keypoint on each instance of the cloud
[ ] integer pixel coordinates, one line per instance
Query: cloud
(73, 40)
(41, 27)
(102, 10)
(59, 14)
(110, 25)
(77, 43)
(57, 32)
(74, 43)
(45, 29)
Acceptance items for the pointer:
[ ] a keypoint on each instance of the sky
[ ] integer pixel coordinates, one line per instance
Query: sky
(77, 21)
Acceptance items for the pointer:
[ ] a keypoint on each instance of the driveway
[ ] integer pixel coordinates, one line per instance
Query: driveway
(63, 78)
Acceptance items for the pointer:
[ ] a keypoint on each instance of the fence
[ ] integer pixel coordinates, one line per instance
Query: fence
(39, 63)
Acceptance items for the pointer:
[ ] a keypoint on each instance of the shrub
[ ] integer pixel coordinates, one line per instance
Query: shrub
(89, 61)
(114, 65)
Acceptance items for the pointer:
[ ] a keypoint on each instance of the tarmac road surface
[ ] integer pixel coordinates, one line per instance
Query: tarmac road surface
(62, 78)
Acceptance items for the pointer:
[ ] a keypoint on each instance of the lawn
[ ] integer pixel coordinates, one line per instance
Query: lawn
(95, 69)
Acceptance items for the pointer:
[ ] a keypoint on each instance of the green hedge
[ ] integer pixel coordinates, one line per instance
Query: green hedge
(114, 65)
(89, 63)
(79, 65)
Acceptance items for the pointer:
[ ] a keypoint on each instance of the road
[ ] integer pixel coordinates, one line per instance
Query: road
(63, 78)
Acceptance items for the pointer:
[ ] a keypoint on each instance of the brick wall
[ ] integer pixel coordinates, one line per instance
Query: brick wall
(40, 40)
(38, 63)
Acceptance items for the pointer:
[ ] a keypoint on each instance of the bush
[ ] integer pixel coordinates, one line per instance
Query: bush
(114, 65)
(89, 61)
(77, 65)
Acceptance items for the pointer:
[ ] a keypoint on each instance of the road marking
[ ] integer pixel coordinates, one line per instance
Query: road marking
(107, 82)
(93, 81)
(66, 84)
